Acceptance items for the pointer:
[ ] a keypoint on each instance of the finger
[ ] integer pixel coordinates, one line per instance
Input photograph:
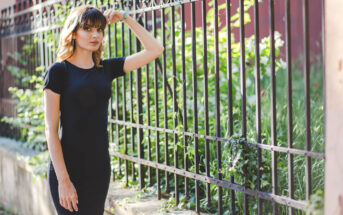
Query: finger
(75, 204)
(111, 16)
(69, 206)
(116, 18)
(61, 202)
(64, 203)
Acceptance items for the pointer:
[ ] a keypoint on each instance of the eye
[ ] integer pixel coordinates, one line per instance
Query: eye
(100, 30)
(86, 29)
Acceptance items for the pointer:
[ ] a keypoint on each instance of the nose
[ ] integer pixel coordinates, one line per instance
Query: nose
(95, 34)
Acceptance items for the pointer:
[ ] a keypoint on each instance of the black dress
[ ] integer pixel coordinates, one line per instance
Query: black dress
(84, 103)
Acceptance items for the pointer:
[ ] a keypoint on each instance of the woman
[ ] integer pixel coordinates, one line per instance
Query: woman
(78, 86)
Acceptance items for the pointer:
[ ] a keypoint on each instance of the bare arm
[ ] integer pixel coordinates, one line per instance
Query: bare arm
(51, 109)
(67, 193)
(152, 48)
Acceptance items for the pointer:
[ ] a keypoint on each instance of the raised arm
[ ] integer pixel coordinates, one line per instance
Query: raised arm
(152, 48)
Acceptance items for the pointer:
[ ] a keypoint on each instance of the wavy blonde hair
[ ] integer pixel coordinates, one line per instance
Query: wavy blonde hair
(85, 15)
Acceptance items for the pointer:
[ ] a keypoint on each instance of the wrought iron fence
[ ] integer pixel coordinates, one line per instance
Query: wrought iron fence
(183, 121)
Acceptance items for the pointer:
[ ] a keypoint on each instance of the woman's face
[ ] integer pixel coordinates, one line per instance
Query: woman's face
(89, 38)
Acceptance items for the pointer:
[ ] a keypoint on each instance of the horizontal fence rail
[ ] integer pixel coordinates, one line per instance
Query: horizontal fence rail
(217, 121)
(214, 138)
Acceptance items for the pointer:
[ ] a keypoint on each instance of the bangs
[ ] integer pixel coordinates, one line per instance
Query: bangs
(93, 18)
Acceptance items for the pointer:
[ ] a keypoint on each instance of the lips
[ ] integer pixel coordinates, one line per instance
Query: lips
(95, 42)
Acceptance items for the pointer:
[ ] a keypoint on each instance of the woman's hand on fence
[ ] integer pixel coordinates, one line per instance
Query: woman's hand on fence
(68, 195)
(113, 16)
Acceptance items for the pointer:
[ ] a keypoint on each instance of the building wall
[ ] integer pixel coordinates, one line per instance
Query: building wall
(296, 12)
(6, 3)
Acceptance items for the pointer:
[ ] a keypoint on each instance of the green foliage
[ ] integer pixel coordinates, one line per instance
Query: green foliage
(40, 163)
(28, 94)
(5, 211)
(29, 107)
(243, 157)
(316, 204)
(238, 159)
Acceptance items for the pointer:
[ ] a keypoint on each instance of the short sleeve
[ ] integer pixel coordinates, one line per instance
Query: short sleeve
(114, 66)
(53, 78)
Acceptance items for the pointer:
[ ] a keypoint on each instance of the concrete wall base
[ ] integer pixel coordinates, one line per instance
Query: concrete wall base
(21, 190)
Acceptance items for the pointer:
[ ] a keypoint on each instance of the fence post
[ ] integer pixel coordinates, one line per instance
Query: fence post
(333, 107)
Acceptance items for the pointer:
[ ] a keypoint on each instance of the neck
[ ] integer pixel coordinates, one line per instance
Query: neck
(82, 58)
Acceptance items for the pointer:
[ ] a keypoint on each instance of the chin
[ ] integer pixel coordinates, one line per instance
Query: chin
(92, 49)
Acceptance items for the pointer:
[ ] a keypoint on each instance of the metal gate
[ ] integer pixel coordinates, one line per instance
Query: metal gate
(217, 121)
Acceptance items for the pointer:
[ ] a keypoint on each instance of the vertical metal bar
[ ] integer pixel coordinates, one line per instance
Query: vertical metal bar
(289, 103)
(46, 51)
(242, 66)
(111, 98)
(175, 109)
(37, 52)
(217, 104)
(242, 74)
(148, 107)
(207, 145)
(117, 96)
(164, 71)
(124, 105)
(34, 56)
(53, 31)
(13, 19)
(195, 107)
(139, 115)
(258, 100)
(184, 98)
(20, 47)
(131, 108)
(273, 102)
(31, 57)
(50, 54)
(27, 57)
(157, 119)
(307, 99)
(49, 22)
(229, 92)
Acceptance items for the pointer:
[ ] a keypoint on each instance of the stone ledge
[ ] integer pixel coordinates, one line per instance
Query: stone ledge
(20, 189)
